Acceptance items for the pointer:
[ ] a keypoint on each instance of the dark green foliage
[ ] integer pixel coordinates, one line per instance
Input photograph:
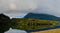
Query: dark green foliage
(32, 24)
(4, 23)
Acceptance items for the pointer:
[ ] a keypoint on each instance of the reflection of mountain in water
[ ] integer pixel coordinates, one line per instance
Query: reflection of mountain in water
(31, 24)
(43, 17)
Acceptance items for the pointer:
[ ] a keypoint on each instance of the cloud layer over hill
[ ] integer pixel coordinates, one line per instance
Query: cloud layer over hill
(15, 8)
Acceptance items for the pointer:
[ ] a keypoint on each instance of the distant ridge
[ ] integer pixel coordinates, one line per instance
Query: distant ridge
(42, 16)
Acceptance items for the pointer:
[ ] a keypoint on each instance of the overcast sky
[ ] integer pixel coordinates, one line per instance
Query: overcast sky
(16, 8)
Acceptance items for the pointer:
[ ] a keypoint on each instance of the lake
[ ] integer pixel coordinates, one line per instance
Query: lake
(28, 31)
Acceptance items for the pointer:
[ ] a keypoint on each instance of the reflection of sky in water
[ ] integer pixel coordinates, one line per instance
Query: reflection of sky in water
(15, 31)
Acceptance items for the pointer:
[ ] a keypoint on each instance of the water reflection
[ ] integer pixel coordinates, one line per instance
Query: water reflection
(22, 31)
(15, 31)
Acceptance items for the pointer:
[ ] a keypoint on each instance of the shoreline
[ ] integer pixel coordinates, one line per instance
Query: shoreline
(56, 27)
(49, 31)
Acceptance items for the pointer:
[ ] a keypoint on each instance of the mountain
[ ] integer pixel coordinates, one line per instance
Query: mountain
(4, 16)
(42, 16)
(4, 23)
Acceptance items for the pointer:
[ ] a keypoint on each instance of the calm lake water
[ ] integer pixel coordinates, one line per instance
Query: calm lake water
(28, 31)
(42, 29)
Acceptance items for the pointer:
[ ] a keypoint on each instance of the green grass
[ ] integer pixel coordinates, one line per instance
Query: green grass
(32, 24)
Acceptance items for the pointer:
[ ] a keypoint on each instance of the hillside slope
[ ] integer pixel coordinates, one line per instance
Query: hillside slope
(42, 16)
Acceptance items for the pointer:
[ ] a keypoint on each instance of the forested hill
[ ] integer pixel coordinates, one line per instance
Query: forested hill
(42, 16)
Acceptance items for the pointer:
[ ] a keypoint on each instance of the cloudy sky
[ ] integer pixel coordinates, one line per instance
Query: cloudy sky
(19, 8)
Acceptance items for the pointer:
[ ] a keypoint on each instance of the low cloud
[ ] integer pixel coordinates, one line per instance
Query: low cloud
(15, 8)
